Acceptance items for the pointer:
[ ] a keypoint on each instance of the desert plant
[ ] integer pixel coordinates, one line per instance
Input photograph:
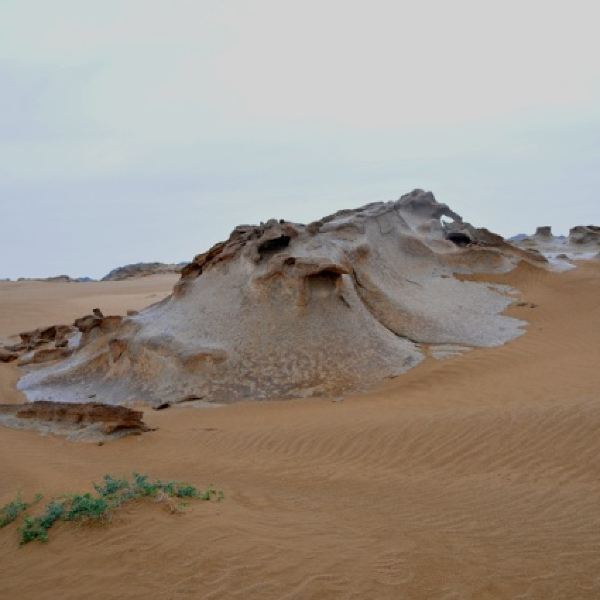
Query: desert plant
(110, 495)
(9, 512)
(86, 506)
(36, 528)
(111, 486)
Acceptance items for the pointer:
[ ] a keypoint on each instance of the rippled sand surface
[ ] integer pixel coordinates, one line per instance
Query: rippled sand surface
(473, 477)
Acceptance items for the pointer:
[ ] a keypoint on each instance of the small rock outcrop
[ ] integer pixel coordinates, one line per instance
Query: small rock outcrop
(141, 270)
(582, 243)
(585, 234)
(7, 356)
(543, 232)
(58, 341)
(96, 324)
(283, 309)
(80, 420)
(40, 345)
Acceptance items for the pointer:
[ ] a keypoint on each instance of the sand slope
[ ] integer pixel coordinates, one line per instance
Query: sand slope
(476, 477)
(29, 304)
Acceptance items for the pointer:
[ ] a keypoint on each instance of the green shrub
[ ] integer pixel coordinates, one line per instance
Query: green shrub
(186, 491)
(33, 530)
(54, 512)
(36, 528)
(110, 494)
(111, 486)
(85, 506)
(9, 512)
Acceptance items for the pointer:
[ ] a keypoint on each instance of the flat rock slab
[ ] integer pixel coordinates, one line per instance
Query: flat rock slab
(91, 421)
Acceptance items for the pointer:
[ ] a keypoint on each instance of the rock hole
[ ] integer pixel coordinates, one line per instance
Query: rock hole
(460, 239)
(274, 245)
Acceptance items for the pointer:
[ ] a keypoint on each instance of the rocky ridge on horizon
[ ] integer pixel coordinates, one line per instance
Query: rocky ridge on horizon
(142, 269)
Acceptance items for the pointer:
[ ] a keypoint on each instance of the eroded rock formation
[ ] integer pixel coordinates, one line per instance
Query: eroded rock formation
(585, 234)
(79, 420)
(282, 309)
(58, 341)
(583, 242)
(40, 345)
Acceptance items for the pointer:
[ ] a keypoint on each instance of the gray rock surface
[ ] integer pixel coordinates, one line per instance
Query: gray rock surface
(288, 310)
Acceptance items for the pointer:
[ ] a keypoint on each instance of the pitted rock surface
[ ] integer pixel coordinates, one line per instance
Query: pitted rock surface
(283, 309)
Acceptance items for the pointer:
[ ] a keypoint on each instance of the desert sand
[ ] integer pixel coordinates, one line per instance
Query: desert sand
(473, 477)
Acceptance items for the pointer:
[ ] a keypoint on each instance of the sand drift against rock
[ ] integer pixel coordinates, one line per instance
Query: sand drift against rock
(287, 310)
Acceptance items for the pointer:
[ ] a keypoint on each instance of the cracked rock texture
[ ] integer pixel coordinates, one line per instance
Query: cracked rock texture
(282, 309)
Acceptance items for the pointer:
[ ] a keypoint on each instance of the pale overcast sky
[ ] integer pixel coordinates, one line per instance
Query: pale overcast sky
(142, 130)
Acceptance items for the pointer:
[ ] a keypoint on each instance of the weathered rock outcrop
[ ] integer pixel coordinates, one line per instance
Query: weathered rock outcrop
(282, 309)
(96, 324)
(141, 270)
(73, 419)
(7, 356)
(43, 335)
(585, 234)
(582, 243)
(40, 345)
(59, 341)
(543, 232)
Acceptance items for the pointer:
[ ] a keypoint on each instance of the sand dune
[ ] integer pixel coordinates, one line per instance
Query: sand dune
(474, 477)
(30, 304)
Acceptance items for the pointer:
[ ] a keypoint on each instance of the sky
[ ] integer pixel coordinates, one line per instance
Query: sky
(145, 130)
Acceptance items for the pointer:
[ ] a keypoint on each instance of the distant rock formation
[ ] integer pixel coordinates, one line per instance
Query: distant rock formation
(141, 270)
(57, 279)
(585, 234)
(74, 420)
(582, 243)
(544, 232)
(282, 309)
(519, 237)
